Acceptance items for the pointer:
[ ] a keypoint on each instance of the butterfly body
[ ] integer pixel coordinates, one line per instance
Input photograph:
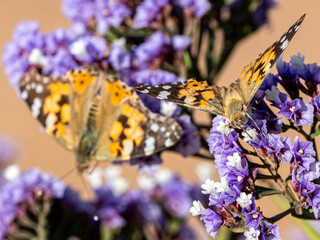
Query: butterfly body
(230, 102)
(97, 116)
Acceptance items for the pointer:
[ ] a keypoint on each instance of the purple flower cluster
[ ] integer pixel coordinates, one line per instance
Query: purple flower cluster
(106, 14)
(24, 190)
(55, 53)
(235, 194)
(163, 199)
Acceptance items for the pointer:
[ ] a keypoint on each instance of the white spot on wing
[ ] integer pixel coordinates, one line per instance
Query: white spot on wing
(163, 95)
(35, 108)
(39, 88)
(24, 95)
(283, 38)
(149, 145)
(162, 129)
(154, 127)
(144, 91)
(166, 87)
(168, 142)
(284, 44)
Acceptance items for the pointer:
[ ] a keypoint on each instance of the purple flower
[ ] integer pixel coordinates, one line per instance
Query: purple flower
(260, 14)
(79, 10)
(298, 111)
(270, 81)
(148, 12)
(190, 141)
(177, 197)
(23, 190)
(120, 58)
(289, 78)
(181, 42)
(316, 104)
(110, 13)
(196, 7)
(303, 152)
(151, 51)
(269, 231)
(27, 36)
(311, 74)
(213, 222)
(88, 49)
(15, 55)
(154, 77)
(253, 216)
(60, 63)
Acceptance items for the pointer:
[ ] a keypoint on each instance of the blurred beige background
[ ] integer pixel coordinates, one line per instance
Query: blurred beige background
(39, 150)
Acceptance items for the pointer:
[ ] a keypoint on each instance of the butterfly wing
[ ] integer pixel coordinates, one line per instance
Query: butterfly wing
(49, 101)
(129, 129)
(61, 104)
(190, 93)
(254, 73)
(85, 86)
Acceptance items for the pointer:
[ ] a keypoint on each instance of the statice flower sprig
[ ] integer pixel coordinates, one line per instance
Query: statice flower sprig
(232, 200)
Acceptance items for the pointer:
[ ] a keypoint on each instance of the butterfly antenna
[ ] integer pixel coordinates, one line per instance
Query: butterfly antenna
(67, 173)
(95, 216)
(265, 137)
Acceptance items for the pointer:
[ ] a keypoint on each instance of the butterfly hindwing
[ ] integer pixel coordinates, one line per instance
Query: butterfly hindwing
(133, 131)
(254, 73)
(190, 93)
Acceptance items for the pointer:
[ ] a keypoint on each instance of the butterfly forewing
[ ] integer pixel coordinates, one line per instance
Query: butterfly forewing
(190, 93)
(49, 102)
(254, 73)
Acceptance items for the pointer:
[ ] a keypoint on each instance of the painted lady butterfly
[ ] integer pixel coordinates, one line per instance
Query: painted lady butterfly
(231, 102)
(97, 115)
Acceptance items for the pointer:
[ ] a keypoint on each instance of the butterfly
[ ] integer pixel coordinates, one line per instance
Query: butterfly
(231, 102)
(96, 115)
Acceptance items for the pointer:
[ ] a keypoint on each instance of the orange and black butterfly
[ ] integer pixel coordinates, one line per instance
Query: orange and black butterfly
(231, 102)
(97, 115)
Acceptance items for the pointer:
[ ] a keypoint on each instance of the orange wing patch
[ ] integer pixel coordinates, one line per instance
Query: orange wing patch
(118, 91)
(82, 79)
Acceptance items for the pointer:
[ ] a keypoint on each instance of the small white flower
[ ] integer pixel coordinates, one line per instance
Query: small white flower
(221, 186)
(204, 171)
(167, 108)
(244, 200)
(37, 57)
(272, 95)
(234, 161)
(209, 187)
(197, 208)
(112, 172)
(223, 127)
(95, 178)
(163, 176)
(78, 48)
(297, 60)
(119, 186)
(252, 135)
(252, 234)
(146, 183)
(12, 172)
